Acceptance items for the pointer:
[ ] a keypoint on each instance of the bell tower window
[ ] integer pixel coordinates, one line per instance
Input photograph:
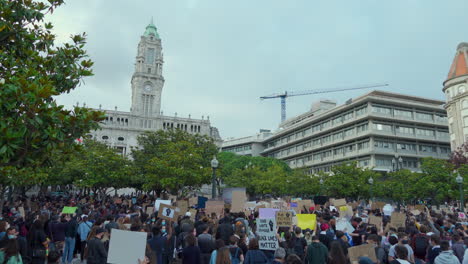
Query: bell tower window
(149, 56)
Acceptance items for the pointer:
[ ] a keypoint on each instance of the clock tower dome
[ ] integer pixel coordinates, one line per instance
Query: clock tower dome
(147, 80)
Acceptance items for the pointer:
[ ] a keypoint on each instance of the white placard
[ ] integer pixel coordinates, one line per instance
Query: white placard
(266, 229)
(344, 225)
(126, 247)
(158, 203)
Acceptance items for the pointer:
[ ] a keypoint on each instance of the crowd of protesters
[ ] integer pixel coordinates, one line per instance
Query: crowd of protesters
(33, 230)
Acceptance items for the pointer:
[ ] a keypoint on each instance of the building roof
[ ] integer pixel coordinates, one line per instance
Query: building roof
(151, 30)
(459, 65)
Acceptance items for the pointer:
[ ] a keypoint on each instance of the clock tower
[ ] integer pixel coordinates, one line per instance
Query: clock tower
(147, 80)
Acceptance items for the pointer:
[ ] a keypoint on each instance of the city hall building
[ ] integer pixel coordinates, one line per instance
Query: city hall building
(380, 130)
(120, 129)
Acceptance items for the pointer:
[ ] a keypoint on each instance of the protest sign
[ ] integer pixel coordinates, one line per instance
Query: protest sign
(214, 207)
(321, 200)
(167, 212)
(344, 225)
(69, 210)
(366, 250)
(279, 205)
(375, 220)
(238, 201)
(123, 252)
(339, 202)
(149, 210)
(158, 203)
(420, 207)
(193, 201)
(202, 202)
(267, 212)
(377, 205)
(266, 230)
(183, 206)
(21, 211)
(284, 218)
(398, 219)
(305, 221)
(460, 215)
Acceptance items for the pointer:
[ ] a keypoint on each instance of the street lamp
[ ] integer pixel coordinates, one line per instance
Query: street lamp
(371, 182)
(459, 180)
(214, 166)
(321, 184)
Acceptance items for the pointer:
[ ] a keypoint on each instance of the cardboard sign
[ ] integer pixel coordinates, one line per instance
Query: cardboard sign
(158, 203)
(339, 202)
(126, 246)
(149, 210)
(214, 207)
(167, 212)
(266, 230)
(307, 221)
(238, 201)
(193, 201)
(21, 211)
(69, 210)
(284, 218)
(279, 205)
(183, 206)
(366, 250)
(375, 220)
(267, 212)
(398, 220)
(377, 205)
(420, 207)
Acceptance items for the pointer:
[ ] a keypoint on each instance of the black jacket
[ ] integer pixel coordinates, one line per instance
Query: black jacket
(97, 253)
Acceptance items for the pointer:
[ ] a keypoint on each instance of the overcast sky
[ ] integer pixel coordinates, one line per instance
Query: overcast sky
(221, 56)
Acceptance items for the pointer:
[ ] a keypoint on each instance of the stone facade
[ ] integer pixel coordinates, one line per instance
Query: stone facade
(120, 129)
(456, 92)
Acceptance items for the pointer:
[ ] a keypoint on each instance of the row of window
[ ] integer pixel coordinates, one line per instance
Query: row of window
(117, 121)
(107, 138)
(185, 127)
(408, 113)
(418, 131)
(410, 147)
(361, 110)
(410, 163)
(454, 91)
(238, 148)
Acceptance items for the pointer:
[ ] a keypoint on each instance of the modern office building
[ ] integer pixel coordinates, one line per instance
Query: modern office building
(456, 91)
(247, 146)
(120, 129)
(380, 130)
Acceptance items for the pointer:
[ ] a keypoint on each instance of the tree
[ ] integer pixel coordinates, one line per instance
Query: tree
(33, 71)
(437, 181)
(174, 160)
(459, 157)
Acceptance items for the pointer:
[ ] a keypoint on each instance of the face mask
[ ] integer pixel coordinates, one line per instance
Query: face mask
(11, 236)
(163, 230)
(163, 223)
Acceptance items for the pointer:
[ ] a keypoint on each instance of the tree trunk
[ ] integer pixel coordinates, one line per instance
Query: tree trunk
(2, 197)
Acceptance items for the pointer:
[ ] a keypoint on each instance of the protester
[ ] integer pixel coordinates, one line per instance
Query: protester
(317, 252)
(434, 249)
(279, 257)
(10, 254)
(83, 231)
(236, 253)
(70, 240)
(223, 256)
(191, 253)
(336, 254)
(254, 255)
(38, 242)
(401, 255)
(97, 253)
(446, 255)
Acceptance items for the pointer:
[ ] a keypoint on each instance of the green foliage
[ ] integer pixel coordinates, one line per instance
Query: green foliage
(173, 160)
(33, 71)
(94, 166)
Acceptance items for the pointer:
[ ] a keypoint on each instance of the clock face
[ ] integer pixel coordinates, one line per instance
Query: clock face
(148, 88)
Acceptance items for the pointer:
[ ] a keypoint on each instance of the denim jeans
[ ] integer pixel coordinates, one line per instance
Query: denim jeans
(67, 256)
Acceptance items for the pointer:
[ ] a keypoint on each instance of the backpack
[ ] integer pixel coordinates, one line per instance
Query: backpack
(235, 259)
(421, 243)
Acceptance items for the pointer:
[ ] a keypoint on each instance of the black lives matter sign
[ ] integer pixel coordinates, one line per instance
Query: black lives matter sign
(266, 229)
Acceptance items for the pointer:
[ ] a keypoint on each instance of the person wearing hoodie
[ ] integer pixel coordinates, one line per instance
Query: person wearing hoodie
(446, 255)
(317, 252)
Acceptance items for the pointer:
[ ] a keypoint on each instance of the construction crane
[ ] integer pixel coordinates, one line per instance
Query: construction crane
(290, 94)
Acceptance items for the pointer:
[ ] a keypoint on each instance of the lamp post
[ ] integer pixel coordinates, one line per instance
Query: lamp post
(321, 184)
(371, 182)
(459, 180)
(214, 166)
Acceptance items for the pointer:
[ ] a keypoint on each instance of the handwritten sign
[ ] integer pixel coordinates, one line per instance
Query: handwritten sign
(284, 218)
(398, 220)
(366, 250)
(266, 229)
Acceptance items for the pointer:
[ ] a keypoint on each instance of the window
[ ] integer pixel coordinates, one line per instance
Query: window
(427, 148)
(424, 116)
(444, 150)
(120, 139)
(382, 110)
(317, 156)
(465, 120)
(383, 162)
(405, 130)
(149, 58)
(362, 127)
(383, 144)
(326, 124)
(382, 127)
(316, 142)
(465, 103)
(403, 113)
(326, 139)
(363, 145)
(338, 136)
(349, 148)
(315, 128)
(105, 137)
(361, 111)
(425, 132)
(338, 151)
(461, 89)
(337, 120)
(406, 146)
(363, 163)
(349, 132)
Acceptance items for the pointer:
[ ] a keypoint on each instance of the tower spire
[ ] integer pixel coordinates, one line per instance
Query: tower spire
(151, 29)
